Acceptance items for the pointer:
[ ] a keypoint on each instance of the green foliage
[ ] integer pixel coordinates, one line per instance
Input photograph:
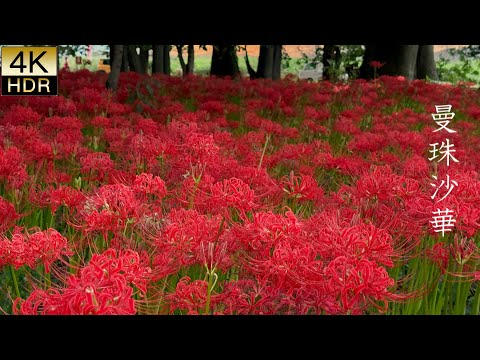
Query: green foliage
(351, 57)
(72, 50)
(460, 65)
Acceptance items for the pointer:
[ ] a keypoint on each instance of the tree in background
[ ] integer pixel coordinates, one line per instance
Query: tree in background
(269, 63)
(224, 61)
(116, 63)
(187, 67)
(161, 59)
(411, 61)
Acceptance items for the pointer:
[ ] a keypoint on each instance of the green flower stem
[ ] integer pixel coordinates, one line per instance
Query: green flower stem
(15, 282)
(476, 301)
(264, 149)
(209, 291)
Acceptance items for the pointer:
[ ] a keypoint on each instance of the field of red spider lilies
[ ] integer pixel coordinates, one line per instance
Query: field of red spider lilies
(218, 196)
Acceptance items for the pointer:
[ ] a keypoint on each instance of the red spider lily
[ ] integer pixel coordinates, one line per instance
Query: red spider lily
(462, 249)
(266, 230)
(47, 247)
(111, 208)
(101, 288)
(376, 64)
(357, 284)
(12, 168)
(189, 295)
(146, 184)
(42, 246)
(367, 241)
(8, 215)
(54, 198)
(231, 194)
(439, 254)
(13, 252)
(302, 187)
(20, 115)
(182, 236)
(96, 166)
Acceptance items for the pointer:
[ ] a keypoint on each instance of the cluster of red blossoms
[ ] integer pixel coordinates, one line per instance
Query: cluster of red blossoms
(217, 196)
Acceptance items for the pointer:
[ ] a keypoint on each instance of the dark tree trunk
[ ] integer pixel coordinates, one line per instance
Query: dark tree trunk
(397, 59)
(190, 59)
(157, 61)
(144, 59)
(112, 51)
(366, 71)
(124, 67)
(112, 81)
(265, 62)
(187, 68)
(166, 60)
(161, 59)
(426, 63)
(277, 62)
(134, 59)
(224, 61)
(269, 63)
(182, 61)
(401, 60)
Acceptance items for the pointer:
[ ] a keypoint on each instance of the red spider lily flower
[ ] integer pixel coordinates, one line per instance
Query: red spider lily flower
(12, 168)
(146, 184)
(267, 229)
(439, 254)
(462, 249)
(101, 288)
(46, 247)
(358, 284)
(230, 194)
(376, 64)
(20, 115)
(96, 165)
(8, 215)
(366, 241)
(302, 187)
(190, 296)
(182, 239)
(15, 251)
(54, 198)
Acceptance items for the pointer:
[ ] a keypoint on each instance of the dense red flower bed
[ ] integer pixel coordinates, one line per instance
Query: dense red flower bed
(203, 195)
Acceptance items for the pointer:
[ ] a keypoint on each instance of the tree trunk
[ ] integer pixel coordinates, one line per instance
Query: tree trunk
(144, 59)
(265, 62)
(112, 53)
(366, 71)
(180, 58)
(112, 81)
(277, 62)
(124, 67)
(190, 59)
(426, 66)
(134, 59)
(224, 61)
(402, 60)
(166, 59)
(397, 59)
(157, 62)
